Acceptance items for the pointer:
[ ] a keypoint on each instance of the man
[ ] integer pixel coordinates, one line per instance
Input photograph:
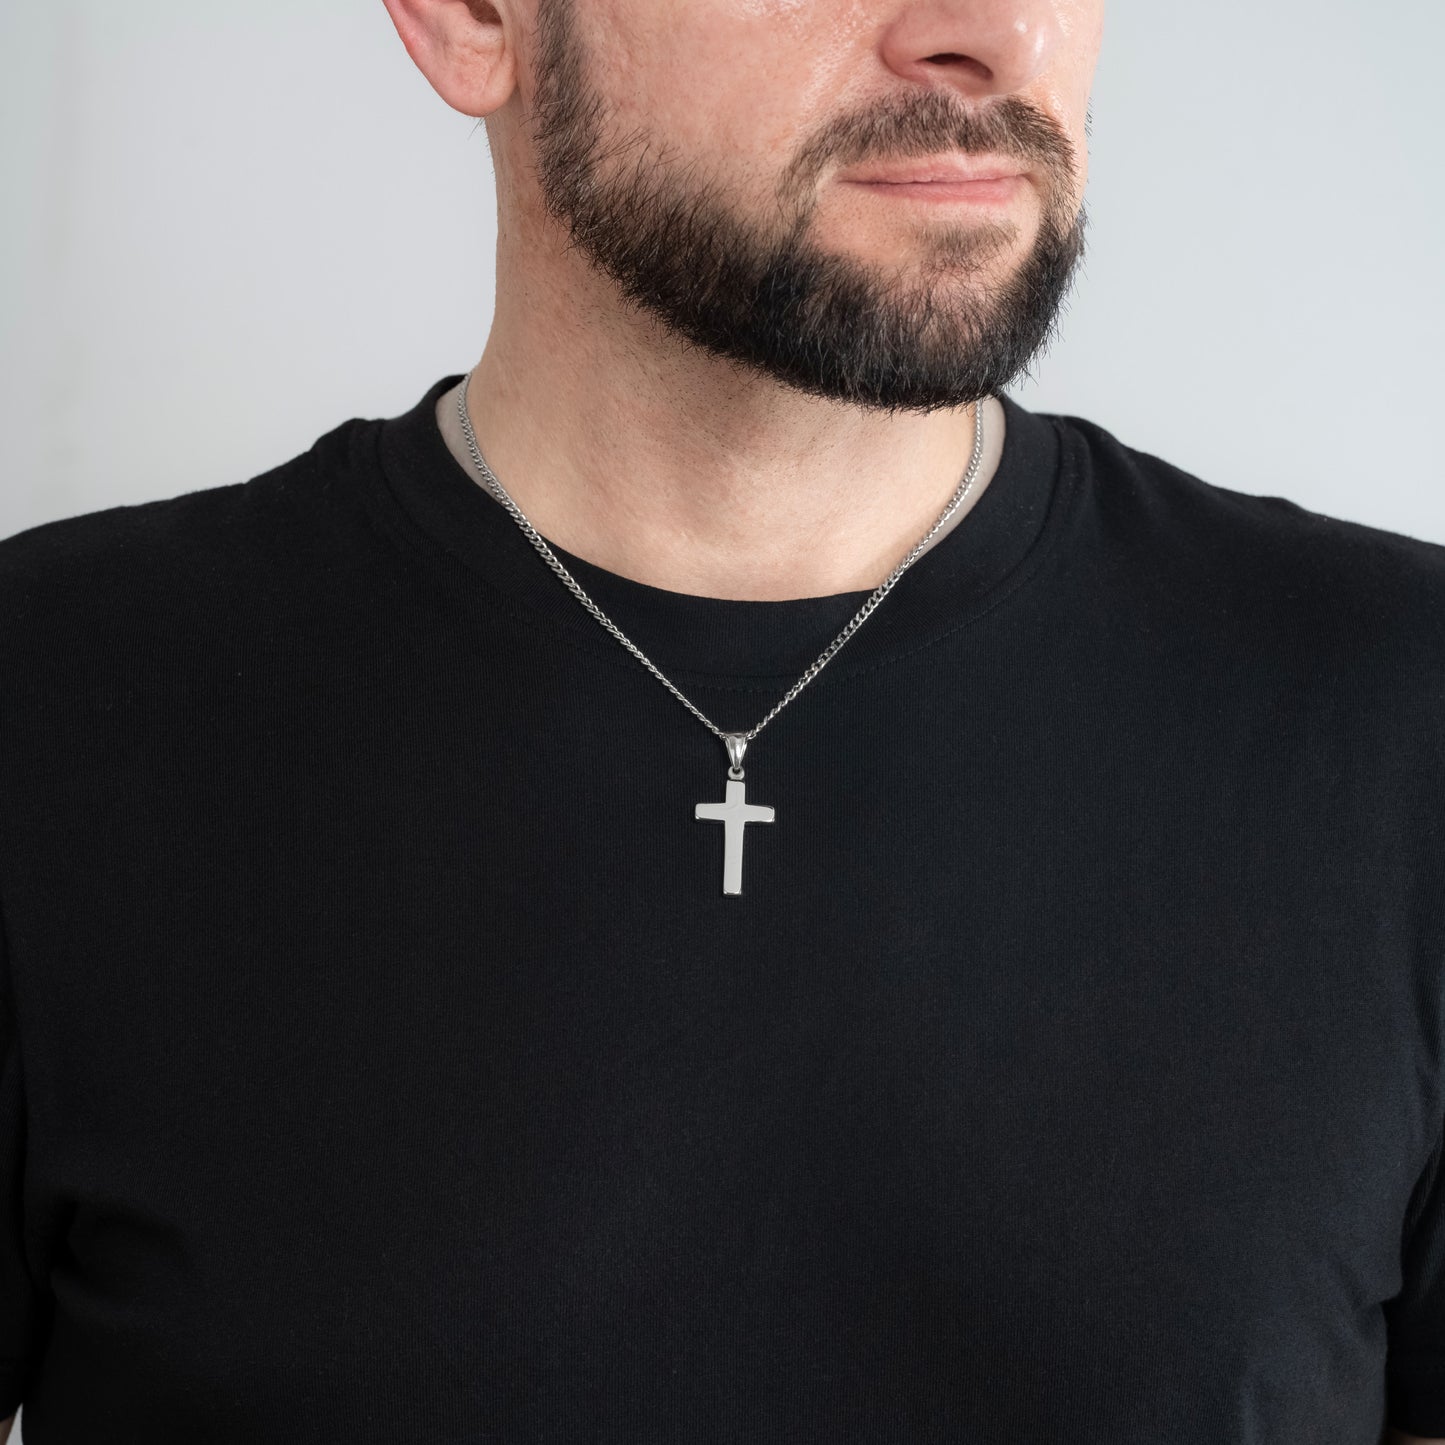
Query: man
(472, 974)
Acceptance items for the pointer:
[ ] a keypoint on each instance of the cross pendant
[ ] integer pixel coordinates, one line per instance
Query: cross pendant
(734, 813)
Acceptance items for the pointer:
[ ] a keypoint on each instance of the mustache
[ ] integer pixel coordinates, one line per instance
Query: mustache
(917, 126)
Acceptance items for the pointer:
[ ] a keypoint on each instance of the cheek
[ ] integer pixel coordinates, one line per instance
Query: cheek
(1084, 38)
(737, 80)
(1081, 22)
(1081, 27)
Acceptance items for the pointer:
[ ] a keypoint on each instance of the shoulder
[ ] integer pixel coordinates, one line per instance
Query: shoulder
(125, 544)
(155, 565)
(1267, 562)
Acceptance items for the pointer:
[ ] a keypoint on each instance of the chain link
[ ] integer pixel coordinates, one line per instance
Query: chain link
(883, 589)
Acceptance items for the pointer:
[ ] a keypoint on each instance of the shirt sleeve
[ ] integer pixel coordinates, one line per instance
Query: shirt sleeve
(18, 1297)
(1415, 1318)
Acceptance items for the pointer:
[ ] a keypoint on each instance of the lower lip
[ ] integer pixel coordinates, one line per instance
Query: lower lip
(979, 193)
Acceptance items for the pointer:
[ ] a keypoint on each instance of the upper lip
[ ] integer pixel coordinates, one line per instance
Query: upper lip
(943, 168)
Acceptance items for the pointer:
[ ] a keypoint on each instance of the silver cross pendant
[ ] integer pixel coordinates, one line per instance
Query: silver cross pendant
(734, 813)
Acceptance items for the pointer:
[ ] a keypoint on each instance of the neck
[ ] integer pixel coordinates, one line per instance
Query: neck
(673, 469)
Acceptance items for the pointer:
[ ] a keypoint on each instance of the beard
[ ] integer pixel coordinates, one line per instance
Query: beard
(773, 302)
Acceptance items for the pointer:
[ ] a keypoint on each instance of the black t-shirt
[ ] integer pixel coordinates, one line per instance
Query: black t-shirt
(381, 1058)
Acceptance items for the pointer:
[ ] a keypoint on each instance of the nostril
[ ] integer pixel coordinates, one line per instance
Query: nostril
(952, 57)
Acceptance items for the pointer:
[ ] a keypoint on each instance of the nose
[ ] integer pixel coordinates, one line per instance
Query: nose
(981, 47)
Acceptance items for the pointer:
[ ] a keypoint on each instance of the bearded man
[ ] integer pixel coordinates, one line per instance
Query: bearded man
(719, 879)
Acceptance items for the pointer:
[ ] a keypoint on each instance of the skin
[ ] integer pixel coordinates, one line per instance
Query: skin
(629, 445)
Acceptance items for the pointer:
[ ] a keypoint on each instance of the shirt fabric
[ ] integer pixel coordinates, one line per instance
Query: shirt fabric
(381, 1059)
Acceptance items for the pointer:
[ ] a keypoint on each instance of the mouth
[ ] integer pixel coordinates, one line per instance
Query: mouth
(980, 180)
(932, 169)
(985, 191)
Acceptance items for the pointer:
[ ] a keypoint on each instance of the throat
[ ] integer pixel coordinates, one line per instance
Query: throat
(761, 556)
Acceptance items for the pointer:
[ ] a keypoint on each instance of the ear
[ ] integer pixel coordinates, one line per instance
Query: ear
(466, 48)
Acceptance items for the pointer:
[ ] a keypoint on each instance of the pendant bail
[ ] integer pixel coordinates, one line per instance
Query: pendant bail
(737, 745)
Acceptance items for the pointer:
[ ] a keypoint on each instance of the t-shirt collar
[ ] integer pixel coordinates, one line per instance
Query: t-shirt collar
(951, 584)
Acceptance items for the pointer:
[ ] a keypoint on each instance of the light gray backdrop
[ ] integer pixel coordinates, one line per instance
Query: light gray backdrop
(230, 227)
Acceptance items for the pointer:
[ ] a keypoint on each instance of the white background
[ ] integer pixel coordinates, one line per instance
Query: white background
(230, 227)
(227, 228)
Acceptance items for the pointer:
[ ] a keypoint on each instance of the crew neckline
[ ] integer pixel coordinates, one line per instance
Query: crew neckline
(965, 574)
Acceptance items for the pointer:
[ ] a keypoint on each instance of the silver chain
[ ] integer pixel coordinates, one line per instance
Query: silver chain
(500, 492)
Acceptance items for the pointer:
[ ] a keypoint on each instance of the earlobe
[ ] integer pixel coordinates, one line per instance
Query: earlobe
(463, 48)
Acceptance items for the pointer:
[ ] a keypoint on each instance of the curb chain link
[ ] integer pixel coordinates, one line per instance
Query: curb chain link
(864, 612)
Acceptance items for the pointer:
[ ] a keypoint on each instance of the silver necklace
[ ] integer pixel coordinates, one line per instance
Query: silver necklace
(734, 812)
